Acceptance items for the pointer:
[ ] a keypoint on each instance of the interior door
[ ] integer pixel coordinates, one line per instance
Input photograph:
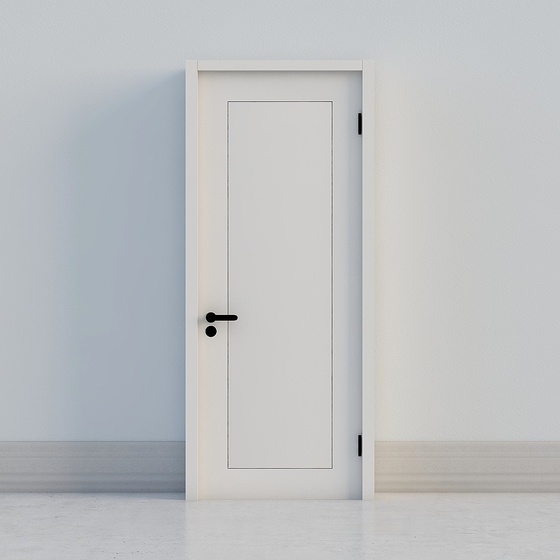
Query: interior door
(279, 273)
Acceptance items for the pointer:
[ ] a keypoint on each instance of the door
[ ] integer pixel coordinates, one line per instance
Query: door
(279, 257)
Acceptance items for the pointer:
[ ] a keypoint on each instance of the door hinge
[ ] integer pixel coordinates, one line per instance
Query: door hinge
(360, 445)
(359, 123)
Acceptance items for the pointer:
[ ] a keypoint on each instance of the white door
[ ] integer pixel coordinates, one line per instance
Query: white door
(279, 264)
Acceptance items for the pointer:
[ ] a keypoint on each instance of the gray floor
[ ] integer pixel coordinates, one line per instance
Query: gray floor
(394, 526)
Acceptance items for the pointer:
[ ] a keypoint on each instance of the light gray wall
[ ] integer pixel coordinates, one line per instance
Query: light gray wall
(92, 220)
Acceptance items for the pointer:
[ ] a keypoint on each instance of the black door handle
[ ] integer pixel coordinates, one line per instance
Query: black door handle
(211, 317)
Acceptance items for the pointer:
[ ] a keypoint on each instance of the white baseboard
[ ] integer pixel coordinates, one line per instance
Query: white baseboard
(467, 466)
(153, 466)
(160, 466)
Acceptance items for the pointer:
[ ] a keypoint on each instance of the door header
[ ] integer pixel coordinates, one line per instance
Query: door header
(279, 65)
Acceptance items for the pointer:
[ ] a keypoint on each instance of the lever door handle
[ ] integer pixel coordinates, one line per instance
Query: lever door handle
(211, 317)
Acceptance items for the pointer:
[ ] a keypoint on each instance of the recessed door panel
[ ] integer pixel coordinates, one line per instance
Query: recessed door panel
(280, 282)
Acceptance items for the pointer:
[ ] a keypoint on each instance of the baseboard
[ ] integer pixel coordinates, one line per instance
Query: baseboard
(160, 466)
(153, 466)
(467, 467)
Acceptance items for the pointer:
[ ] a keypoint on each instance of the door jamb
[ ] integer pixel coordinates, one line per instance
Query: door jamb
(193, 67)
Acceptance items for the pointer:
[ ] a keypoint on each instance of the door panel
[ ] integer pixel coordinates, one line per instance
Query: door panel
(279, 280)
(279, 246)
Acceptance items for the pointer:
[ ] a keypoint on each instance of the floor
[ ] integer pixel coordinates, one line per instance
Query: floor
(394, 526)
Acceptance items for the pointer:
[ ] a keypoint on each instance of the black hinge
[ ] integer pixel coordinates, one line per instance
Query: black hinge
(359, 123)
(360, 445)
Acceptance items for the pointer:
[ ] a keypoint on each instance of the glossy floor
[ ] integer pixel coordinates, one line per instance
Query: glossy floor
(394, 526)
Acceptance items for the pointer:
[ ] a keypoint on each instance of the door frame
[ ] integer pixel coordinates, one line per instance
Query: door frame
(192, 314)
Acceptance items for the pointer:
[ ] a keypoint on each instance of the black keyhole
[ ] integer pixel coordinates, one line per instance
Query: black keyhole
(211, 331)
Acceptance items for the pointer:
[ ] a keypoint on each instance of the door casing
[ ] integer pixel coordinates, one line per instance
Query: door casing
(192, 313)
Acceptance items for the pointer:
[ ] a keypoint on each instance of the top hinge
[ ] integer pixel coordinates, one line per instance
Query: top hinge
(359, 123)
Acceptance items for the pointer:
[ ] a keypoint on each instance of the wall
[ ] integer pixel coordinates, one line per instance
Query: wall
(92, 219)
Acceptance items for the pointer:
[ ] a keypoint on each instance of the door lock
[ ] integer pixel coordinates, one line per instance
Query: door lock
(211, 331)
